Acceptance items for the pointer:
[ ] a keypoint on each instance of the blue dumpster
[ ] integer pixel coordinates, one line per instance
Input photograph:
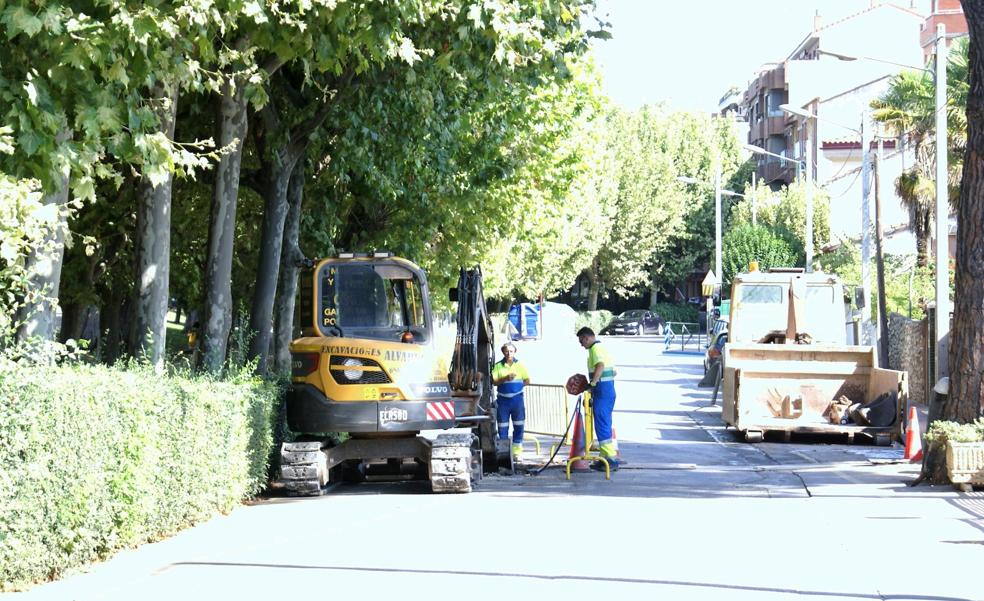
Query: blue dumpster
(525, 320)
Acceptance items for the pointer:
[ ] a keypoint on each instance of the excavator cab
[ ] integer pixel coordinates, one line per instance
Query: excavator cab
(378, 299)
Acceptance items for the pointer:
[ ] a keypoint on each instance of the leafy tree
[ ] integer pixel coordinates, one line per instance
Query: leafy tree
(784, 213)
(745, 242)
(24, 220)
(556, 216)
(656, 223)
(452, 157)
(258, 41)
(695, 142)
(77, 82)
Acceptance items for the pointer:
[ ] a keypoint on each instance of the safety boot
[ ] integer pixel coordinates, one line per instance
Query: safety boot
(517, 453)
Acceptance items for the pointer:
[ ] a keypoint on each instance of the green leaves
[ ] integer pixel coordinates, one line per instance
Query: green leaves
(19, 20)
(784, 213)
(24, 222)
(659, 228)
(745, 242)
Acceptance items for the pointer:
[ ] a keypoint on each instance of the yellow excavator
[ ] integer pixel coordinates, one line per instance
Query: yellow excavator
(367, 366)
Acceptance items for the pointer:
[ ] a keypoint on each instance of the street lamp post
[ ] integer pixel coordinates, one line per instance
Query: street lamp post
(866, 325)
(808, 242)
(942, 321)
(718, 193)
(809, 198)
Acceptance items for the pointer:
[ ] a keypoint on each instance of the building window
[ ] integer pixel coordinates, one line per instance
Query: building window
(775, 98)
(776, 145)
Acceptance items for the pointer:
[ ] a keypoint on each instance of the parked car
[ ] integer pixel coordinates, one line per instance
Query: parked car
(715, 348)
(636, 321)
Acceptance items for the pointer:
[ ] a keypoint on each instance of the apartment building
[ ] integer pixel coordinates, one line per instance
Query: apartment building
(831, 74)
(949, 13)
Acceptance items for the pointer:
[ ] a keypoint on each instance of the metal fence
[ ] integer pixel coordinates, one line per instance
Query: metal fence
(686, 335)
(548, 409)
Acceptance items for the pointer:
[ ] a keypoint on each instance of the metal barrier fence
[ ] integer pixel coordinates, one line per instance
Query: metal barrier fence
(685, 334)
(548, 409)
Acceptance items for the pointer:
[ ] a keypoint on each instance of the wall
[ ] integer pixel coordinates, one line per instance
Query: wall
(907, 352)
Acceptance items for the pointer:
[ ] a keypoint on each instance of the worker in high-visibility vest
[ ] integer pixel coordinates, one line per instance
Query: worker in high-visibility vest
(601, 378)
(510, 378)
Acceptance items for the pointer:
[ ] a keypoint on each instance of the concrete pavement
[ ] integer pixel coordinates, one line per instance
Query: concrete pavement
(693, 515)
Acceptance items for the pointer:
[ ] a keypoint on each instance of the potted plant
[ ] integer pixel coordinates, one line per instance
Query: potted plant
(964, 450)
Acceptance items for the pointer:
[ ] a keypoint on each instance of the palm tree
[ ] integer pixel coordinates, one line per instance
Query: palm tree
(917, 195)
(908, 109)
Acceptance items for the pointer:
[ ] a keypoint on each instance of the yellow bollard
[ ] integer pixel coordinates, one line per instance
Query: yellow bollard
(588, 437)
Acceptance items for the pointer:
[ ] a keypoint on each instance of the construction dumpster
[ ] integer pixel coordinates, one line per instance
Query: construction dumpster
(808, 388)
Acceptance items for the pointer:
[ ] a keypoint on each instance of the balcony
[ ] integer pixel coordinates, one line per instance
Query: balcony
(775, 171)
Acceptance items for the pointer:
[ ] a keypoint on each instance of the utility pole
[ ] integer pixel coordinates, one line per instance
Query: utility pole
(809, 197)
(866, 326)
(942, 211)
(717, 220)
(754, 208)
(880, 265)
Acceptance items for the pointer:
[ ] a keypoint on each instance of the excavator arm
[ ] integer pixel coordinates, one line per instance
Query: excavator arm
(471, 363)
(470, 372)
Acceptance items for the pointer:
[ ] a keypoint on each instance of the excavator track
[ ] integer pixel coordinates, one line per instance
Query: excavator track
(455, 460)
(303, 468)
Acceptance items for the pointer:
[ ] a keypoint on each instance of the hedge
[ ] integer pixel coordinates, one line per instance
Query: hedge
(595, 320)
(686, 313)
(96, 459)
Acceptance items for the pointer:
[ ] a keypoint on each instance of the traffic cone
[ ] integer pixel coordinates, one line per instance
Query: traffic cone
(913, 442)
(577, 444)
(618, 451)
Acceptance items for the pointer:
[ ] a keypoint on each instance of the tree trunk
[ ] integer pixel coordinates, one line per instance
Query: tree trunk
(922, 226)
(277, 167)
(594, 285)
(148, 328)
(71, 323)
(290, 258)
(275, 174)
(966, 358)
(38, 316)
(966, 347)
(653, 288)
(112, 311)
(232, 128)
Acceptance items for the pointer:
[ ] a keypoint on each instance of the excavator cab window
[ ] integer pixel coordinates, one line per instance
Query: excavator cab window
(371, 300)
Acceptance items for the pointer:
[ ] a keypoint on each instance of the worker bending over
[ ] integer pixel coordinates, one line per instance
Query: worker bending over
(601, 378)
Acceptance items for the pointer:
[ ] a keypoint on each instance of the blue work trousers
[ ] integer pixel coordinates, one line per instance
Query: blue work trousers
(602, 405)
(511, 408)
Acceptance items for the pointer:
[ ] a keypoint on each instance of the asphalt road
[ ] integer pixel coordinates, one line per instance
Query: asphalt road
(693, 515)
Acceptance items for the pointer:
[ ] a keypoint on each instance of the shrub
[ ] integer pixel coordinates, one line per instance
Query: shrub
(96, 459)
(595, 320)
(942, 431)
